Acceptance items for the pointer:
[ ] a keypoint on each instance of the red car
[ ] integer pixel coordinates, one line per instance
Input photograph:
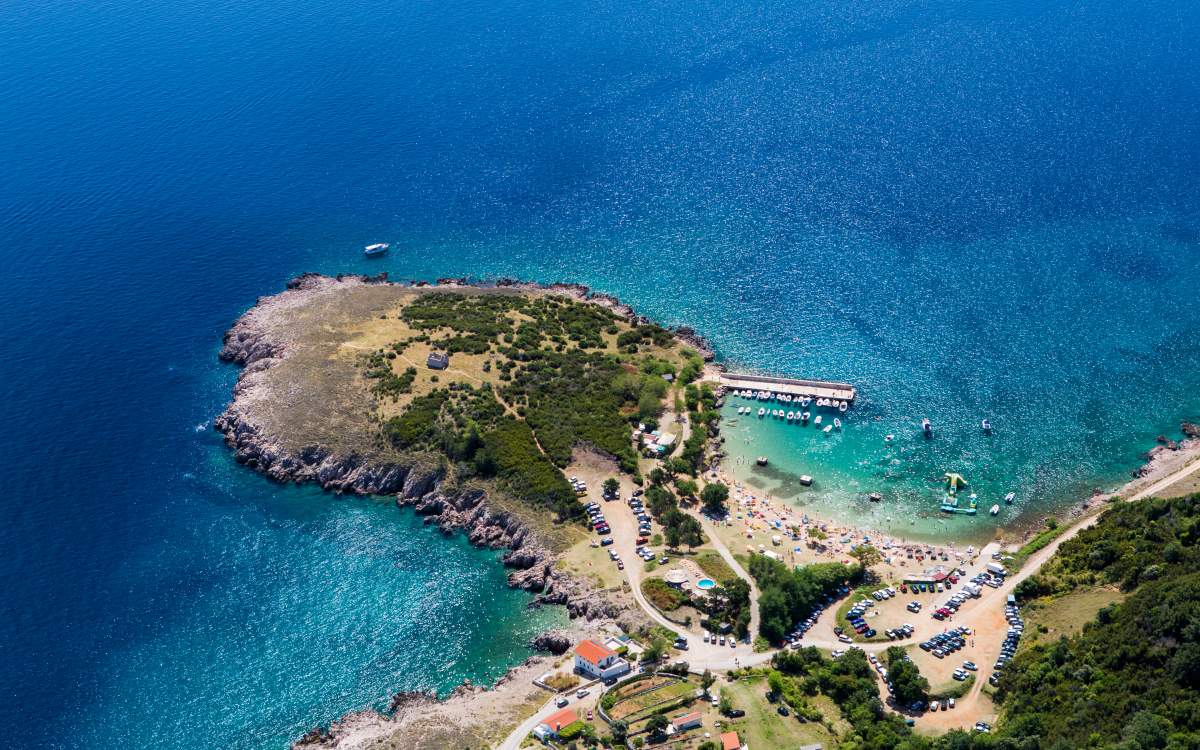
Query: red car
(903, 589)
(642, 539)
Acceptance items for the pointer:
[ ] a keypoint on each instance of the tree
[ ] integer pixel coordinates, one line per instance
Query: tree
(654, 652)
(724, 705)
(706, 680)
(686, 487)
(775, 682)
(660, 501)
(713, 498)
(619, 732)
(908, 686)
(657, 725)
(674, 536)
(611, 487)
(658, 476)
(691, 531)
(867, 556)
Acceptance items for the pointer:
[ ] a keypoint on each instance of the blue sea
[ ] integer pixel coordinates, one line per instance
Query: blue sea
(970, 209)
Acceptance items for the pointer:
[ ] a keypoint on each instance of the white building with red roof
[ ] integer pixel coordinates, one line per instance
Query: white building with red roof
(598, 661)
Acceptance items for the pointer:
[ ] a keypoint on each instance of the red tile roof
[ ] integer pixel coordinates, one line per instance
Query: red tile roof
(593, 652)
(730, 741)
(679, 721)
(560, 719)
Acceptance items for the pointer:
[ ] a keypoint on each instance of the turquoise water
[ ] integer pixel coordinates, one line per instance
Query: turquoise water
(965, 209)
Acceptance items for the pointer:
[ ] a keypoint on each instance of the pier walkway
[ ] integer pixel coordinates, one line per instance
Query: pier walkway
(790, 386)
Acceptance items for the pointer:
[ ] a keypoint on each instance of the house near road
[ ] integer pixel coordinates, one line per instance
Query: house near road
(598, 661)
(687, 721)
(731, 741)
(554, 724)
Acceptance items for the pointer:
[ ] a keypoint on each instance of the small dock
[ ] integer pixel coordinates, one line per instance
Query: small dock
(789, 386)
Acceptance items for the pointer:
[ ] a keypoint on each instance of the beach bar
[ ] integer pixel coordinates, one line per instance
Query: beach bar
(790, 386)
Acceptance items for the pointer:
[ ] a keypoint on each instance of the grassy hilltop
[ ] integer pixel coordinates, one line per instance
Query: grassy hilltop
(533, 373)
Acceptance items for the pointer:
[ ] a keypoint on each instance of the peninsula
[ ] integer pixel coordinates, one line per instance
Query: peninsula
(584, 441)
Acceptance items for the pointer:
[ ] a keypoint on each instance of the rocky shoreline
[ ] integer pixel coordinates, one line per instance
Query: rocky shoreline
(257, 343)
(423, 486)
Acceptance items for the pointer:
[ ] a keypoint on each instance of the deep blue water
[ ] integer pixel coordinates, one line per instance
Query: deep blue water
(964, 208)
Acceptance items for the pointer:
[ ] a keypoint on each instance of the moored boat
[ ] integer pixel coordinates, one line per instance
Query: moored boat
(927, 427)
(817, 420)
(995, 510)
(761, 412)
(987, 427)
(1008, 499)
(837, 423)
(828, 429)
(374, 251)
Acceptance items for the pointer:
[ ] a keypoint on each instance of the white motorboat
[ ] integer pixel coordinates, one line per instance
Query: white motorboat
(817, 420)
(927, 427)
(790, 415)
(828, 429)
(804, 417)
(374, 251)
(1008, 499)
(995, 511)
(761, 412)
(837, 423)
(843, 406)
(987, 426)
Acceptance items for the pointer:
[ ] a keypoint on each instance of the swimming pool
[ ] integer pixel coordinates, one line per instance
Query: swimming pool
(704, 584)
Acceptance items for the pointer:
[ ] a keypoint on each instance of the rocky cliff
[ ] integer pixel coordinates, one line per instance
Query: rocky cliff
(265, 434)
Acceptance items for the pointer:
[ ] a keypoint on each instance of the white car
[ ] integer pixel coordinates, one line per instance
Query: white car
(715, 701)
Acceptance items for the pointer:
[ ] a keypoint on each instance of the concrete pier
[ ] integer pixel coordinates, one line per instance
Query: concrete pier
(790, 386)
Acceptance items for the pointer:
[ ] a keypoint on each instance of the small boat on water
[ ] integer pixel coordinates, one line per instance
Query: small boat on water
(817, 420)
(927, 427)
(875, 497)
(888, 438)
(804, 417)
(828, 429)
(995, 511)
(761, 460)
(837, 423)
(761, 412)
(374, 251)
(805, 401)
(987, 427)
(843, 406)
(1008, 499)
(790, 416)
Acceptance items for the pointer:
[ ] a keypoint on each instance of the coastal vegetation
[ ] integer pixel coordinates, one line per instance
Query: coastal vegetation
(787, 596)
(545, 374)
(662, 595)
(909, 686)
